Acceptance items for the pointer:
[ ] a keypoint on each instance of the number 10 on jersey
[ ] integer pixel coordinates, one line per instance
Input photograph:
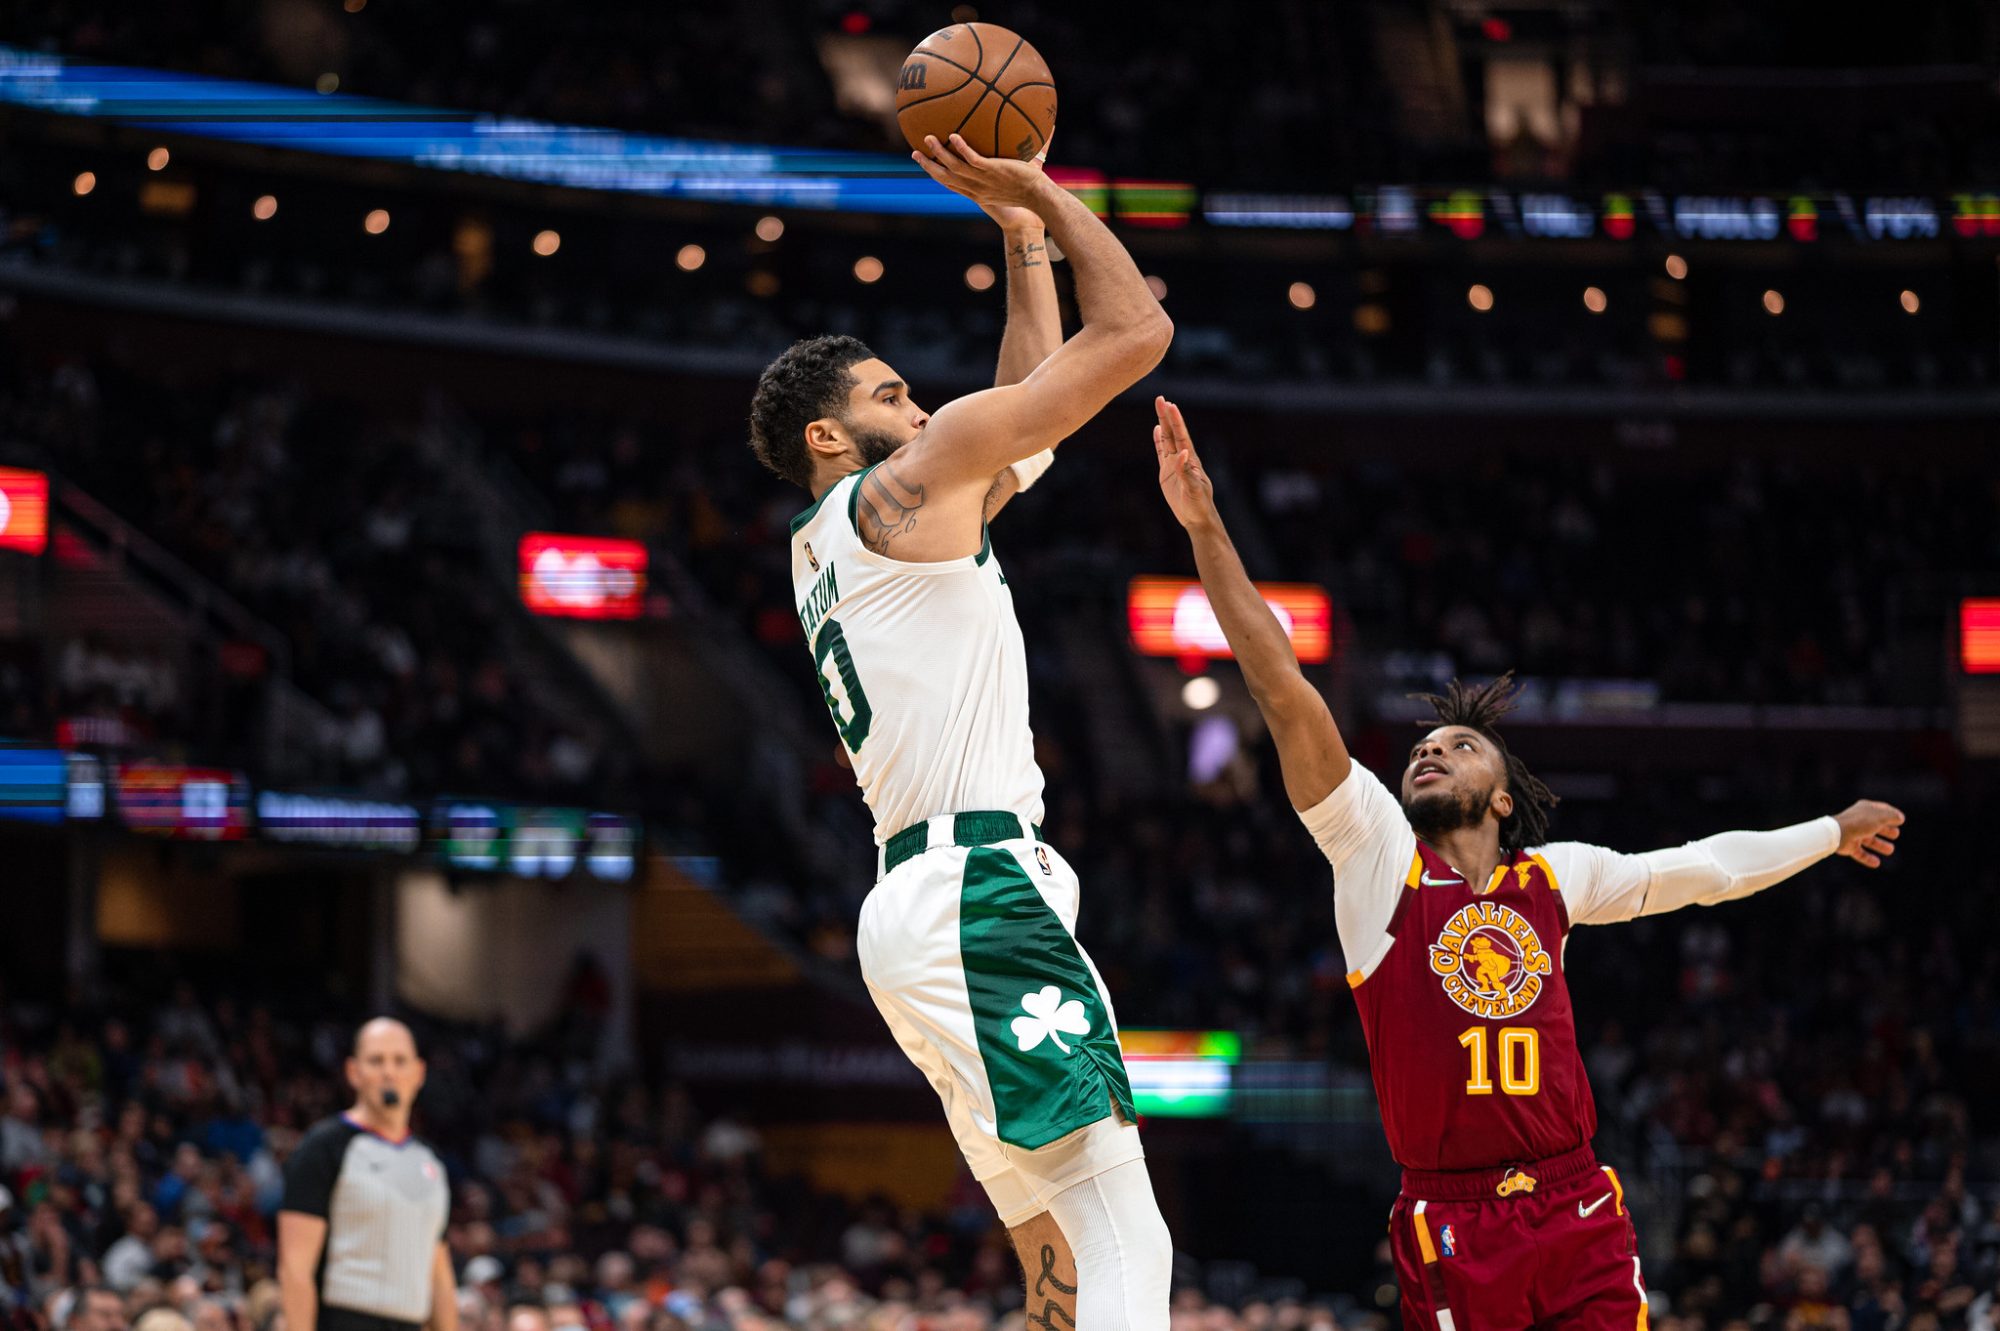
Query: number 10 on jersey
(1520, 1060)
(840, 686)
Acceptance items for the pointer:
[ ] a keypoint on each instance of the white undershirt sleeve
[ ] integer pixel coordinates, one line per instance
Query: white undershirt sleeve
(1361, 830)
(1601, 886)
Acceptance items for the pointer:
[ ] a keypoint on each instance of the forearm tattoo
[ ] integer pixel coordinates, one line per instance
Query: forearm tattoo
(888, 507)
(1027, 254)
(1051, 1310)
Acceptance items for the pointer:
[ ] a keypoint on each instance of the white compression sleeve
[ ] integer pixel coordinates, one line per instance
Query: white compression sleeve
(1124, 1255)
(1731, 865)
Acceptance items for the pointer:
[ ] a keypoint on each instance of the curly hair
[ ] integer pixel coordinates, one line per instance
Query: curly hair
(1479, 707)
(809, 382)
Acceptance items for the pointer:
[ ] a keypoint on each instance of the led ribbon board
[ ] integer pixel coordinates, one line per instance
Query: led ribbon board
(532, 150)
(534, 841)
(339, 822)
(34, 785)
(758, 175)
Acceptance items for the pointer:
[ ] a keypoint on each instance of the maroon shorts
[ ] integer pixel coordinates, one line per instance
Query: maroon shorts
(1546, 1245)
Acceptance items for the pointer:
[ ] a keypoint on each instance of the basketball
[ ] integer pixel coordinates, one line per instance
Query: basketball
(982, 82)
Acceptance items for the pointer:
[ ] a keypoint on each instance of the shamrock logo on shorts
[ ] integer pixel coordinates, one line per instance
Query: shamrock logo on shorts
(1047, 1014)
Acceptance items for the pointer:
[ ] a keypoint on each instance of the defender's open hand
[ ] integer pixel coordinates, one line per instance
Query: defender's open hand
(1189, 492)
(1868, 831)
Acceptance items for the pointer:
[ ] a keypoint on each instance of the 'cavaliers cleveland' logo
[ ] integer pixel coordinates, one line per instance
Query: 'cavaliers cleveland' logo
(1491, 960)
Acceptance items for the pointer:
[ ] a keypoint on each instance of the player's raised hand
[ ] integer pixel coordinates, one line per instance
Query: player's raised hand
(1868, 831)
(990, 182)
(1189, 492)
(1020, 219)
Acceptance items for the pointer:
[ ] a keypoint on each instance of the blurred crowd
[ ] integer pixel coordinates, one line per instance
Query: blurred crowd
(345, 532)
(142, 1148)
(1616, 566)
(141, 1165)
(1619, 569)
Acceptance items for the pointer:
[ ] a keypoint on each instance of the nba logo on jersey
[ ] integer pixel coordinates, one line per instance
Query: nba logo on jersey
(1042, 858)
(1450, 1241)
(811, 558)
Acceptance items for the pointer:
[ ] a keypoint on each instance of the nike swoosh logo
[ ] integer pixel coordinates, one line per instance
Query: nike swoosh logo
(1586, 1212)
(1429, 881)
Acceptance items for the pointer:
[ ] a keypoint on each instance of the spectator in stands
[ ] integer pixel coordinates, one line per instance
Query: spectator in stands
(95, 1308)
(1815, 1245)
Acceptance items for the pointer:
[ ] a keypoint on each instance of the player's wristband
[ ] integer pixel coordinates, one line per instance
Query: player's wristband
(1029, 470)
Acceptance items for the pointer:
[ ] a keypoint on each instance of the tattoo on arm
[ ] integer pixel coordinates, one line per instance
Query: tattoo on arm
(888, 507)
(1051, 1309)
(1026, 254)
(996, 496)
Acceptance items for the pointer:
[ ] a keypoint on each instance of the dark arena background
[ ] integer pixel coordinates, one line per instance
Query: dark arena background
(393, 619)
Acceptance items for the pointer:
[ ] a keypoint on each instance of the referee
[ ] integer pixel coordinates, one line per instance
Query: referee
(361, 1229)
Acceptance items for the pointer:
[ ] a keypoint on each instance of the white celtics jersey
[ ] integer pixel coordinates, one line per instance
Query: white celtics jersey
(923, 668)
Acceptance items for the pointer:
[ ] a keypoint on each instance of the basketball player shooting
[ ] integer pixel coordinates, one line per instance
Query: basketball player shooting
(967, 941)
(1454, 911)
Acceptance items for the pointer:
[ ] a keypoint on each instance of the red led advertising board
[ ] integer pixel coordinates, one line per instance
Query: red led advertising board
(1172, 617)
(191, 803)
(582, 577)
(1979, 636)
(24, 510)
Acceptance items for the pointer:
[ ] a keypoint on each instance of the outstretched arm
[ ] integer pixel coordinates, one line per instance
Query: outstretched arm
(1310, 749)
(1602, 886)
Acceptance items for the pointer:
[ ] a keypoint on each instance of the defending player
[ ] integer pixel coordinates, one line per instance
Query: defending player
(967, 941)
(1454, 914)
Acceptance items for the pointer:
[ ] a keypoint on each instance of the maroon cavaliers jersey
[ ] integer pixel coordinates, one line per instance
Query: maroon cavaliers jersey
(1470, 1034)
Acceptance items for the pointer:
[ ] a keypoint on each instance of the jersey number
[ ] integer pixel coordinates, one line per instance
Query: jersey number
(1520, 1061)
(841, 686)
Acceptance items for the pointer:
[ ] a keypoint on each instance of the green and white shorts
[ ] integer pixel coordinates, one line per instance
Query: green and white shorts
(971, 955)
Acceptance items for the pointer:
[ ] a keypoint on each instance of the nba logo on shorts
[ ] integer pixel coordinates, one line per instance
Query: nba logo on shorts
(1450, 1241)
(1042, 858)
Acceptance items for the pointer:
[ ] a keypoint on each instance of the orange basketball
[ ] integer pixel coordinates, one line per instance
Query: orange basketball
(981, 82)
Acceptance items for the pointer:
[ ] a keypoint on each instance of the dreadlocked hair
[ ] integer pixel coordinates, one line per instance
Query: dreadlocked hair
(1479, 707)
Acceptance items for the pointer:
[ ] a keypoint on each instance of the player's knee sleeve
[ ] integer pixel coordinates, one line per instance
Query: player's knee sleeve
(1124, 1255)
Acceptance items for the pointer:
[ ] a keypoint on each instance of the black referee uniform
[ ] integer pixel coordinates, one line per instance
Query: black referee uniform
(385, 1204)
